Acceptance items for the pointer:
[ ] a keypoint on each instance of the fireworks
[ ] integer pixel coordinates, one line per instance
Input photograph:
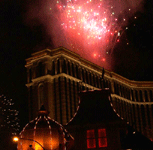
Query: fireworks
(91, 26)
(87, 27)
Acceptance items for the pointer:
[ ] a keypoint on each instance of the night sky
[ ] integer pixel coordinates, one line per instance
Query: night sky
(19, 39)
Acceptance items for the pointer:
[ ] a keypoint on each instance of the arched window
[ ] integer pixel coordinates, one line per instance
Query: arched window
(90, 78)
(82, 75)
(136, 95)
(94, 82)
(141, 99)
(53, 68)
(110, 86)
(40, 69)
(73, 70)
(116, 88)
(143, 115)
(86, 76)
(122, 92)
(69, 67)
(30, 75)
(64, 66)
(77, 71)
(106, 83)
(128, 93)
(151, 97)
(148, 116)
(58, 66)
(146, 96)
(41, 95)
(98, 83)
(132, 95)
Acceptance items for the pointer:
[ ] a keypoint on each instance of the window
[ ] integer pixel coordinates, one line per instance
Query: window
(99, 138)
(102, 139)
(41, 95)
(91, 141)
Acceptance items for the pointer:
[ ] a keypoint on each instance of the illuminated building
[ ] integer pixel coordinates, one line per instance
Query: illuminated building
(54, 78)
(44, 133)
(96, 125)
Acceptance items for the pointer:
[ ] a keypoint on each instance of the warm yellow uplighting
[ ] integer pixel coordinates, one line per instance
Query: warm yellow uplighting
(38, 147)
(15, 139)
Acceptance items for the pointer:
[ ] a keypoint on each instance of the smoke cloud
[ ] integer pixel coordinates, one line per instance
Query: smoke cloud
(92, 39)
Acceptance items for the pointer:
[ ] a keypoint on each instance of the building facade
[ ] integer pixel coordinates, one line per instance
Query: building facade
(97, 126)
(54, 78)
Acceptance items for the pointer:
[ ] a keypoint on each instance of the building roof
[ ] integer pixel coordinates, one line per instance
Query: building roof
(95, 107)
(45, 131)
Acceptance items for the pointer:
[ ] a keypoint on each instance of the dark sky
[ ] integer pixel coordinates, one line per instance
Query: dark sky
(17, 41)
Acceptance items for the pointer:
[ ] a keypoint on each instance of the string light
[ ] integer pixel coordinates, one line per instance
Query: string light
(10, 120)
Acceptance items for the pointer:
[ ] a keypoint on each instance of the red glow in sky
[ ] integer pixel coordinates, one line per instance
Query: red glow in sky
(90, 28)
(89, 25)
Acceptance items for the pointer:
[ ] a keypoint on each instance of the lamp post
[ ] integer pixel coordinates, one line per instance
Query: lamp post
(16, 139)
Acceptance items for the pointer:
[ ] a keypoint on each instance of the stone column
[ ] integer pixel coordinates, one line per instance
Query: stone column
(60, 65)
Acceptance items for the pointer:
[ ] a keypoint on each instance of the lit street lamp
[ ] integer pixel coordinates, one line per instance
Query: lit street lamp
(16, 139)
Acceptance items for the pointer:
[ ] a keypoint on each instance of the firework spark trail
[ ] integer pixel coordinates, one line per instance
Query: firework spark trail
(88, 27)
(91, 26)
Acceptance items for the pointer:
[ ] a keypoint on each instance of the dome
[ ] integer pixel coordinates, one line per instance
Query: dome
(44, 133)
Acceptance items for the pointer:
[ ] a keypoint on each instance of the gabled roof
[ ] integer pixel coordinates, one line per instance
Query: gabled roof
(95, 107)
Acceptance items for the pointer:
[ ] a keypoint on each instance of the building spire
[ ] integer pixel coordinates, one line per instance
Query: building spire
(43, 111)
